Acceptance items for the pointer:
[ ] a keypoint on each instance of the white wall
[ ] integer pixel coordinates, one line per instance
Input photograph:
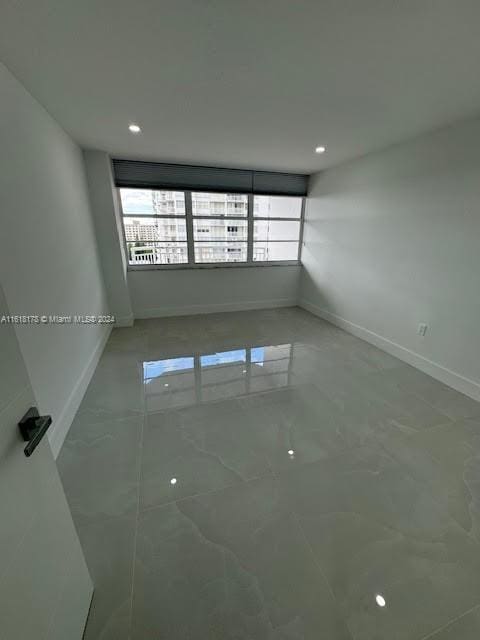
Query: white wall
(392, 240)
(108, 230)
(49, 258)
(184, 291)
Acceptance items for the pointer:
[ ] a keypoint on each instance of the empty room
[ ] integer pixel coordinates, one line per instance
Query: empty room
(239, 320)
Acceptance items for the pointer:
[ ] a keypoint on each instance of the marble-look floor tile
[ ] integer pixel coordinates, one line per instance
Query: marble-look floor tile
(375, 530)
(116, 388)
(229, 565)
(132, 340)
(205, 411)
(375, 357)
(369, 404)
(447, 459)
(201, 455)
(99, 466)
(171, 392)
(114, 392)
(293, 426)
(109, 551)
(419, 414)
(467, 627)
(120, 364)
(312, 472)
(450, 402)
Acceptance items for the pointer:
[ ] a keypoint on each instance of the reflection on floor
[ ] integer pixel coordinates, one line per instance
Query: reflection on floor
(205, 378)
(264, 475)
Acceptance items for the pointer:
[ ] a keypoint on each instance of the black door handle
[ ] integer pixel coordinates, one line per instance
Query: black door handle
(33, 427)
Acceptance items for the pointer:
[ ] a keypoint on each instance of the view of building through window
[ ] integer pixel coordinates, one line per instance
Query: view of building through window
(157, 226)
(220, 227)
(155, 240)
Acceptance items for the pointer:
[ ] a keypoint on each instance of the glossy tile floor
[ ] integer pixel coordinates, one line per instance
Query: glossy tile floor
(266, 476)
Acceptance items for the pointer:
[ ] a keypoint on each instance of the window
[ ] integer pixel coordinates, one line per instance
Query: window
(276, 228)
(223, 241)
(195, 228)
(155, 226)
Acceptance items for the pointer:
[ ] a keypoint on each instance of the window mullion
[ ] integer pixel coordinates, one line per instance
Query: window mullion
(189, 221)
(226, 218)
(271, 219)
(250, 229)
(300, 235)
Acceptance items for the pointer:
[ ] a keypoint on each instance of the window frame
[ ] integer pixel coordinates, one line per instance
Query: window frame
(189, 217)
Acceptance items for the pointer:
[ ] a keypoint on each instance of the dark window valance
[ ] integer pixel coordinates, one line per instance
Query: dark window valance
(156, 175)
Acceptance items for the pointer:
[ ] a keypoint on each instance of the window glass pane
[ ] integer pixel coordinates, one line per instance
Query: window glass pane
(277, 207)
(204, 229)
(219, 204)
(220, 252)
(276, 230)
(149, 202)
(154, 229)
(157, 253)
(268, 251)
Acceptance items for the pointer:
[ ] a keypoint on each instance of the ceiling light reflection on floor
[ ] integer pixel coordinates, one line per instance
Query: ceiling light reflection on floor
(380, 600)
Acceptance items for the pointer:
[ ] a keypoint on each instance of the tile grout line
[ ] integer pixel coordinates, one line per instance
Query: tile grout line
(320, 570)
(137, 515)
(206, 493)
(102, 520)
(426, 485)
(449, 623)
(312, 554)
(440, 410)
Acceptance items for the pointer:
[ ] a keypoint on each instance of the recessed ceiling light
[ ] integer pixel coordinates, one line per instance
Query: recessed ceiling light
(291, 452)
(134, 128)
(173, 481)
(320, 149)
(380, 600)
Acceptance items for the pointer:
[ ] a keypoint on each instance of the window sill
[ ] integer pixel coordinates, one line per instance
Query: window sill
(232, 265)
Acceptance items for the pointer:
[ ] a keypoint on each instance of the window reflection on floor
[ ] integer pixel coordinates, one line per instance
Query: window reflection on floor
(189, 380)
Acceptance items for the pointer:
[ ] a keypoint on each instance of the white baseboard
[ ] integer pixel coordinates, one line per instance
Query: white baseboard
(65, 419)
(125, 321)
(162, 312)
(451, 378)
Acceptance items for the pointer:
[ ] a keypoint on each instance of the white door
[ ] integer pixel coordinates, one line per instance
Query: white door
(45, 587)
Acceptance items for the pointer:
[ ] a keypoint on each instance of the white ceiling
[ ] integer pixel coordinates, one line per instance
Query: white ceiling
(246, 83)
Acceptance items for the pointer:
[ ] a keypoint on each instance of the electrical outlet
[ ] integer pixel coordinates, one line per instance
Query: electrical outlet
(422, 329)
